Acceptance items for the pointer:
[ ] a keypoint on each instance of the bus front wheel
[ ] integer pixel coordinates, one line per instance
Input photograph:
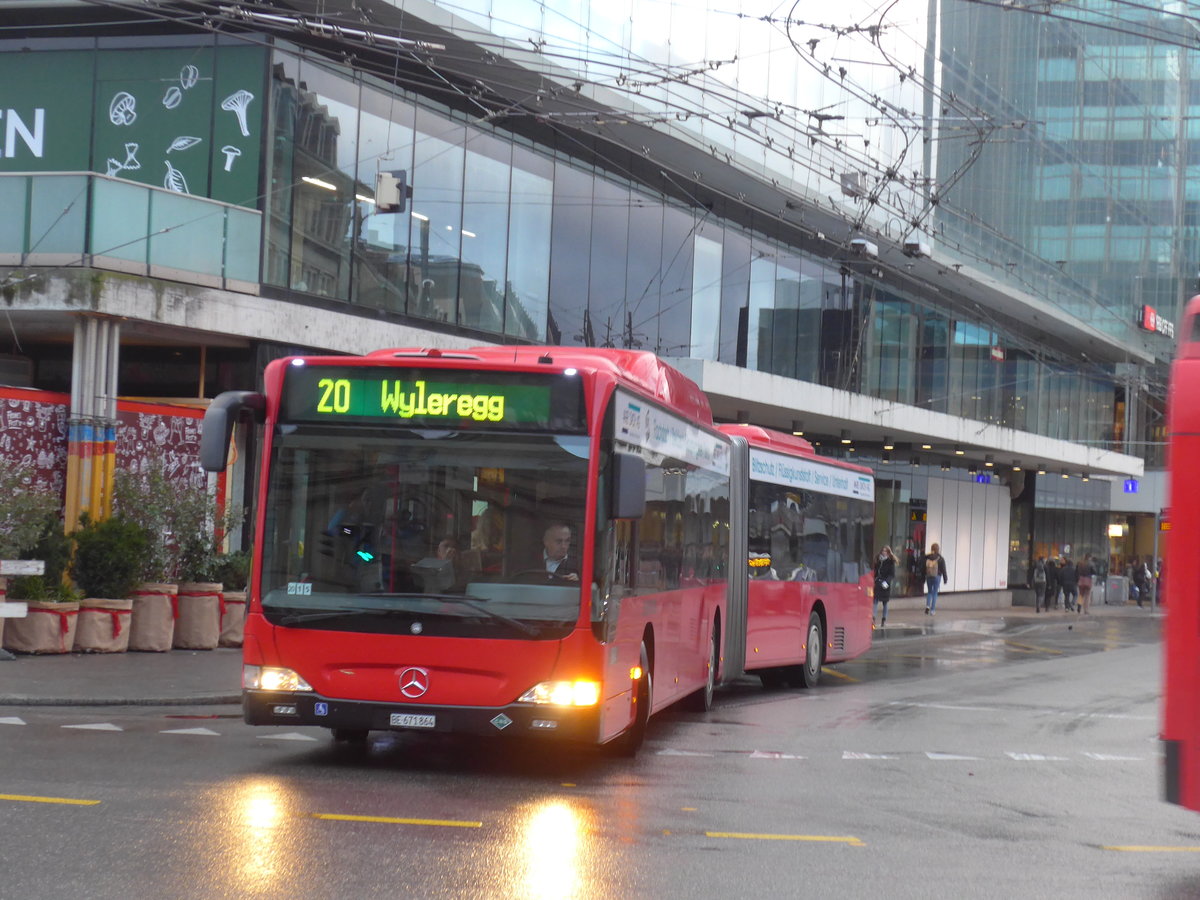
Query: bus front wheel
(630, 741)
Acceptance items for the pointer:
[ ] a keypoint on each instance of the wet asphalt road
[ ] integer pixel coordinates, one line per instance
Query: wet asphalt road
(1019, 760)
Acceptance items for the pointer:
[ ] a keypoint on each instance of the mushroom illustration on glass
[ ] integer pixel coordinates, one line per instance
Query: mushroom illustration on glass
(130, 164)
(231, 153)
(236, 103)
(175, 180)
(123, 109)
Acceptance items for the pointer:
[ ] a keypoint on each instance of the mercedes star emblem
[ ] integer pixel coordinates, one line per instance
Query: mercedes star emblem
(414, 682)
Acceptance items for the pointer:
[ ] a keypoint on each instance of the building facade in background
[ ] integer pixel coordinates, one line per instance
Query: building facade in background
(862, 252)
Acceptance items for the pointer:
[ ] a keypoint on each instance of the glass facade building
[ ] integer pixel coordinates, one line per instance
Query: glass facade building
(511, 239)
(689, 181)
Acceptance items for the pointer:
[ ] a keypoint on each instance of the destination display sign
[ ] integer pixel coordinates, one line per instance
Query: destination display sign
(425, 398)
(808, 474)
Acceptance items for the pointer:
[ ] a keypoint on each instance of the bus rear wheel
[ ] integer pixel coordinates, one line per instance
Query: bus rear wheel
(809, 673)
(702, 700)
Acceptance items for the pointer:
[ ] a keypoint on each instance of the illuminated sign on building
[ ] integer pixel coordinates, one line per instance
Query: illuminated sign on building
(1151, 321)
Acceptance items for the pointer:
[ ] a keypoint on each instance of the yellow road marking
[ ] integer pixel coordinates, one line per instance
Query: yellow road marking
(819, 838)
(445, 823)
(837, 674)
(1133, 848)
(22, 798)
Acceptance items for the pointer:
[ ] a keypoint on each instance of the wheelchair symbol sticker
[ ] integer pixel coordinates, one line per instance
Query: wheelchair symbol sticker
(320, 709)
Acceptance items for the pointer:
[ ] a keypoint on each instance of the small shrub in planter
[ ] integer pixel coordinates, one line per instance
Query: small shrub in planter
(24, 512)
(233, 571)
(53, 548)
(110, 556)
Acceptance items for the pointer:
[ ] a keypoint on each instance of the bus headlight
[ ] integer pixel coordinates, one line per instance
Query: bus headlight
(272, 678)
(563, 693)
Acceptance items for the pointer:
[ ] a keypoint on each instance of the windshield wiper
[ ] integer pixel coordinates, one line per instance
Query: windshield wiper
(471, 602)
(296, 618)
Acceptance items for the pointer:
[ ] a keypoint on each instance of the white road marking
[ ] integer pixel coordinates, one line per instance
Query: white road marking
(207, 731)
(848, 754)
(96, 726)
(940, 756)
(1110, 757)
(286, 736)
(1034, 710)
(11, 720)
(670, 752)
(774, 754)
(1036, 757)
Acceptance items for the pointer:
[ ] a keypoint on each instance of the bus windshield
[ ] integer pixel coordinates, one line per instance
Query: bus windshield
(436, 532)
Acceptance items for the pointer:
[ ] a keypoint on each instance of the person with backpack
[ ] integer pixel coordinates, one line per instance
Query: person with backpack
(1039, 584)
(1141, 579)
(933, 564)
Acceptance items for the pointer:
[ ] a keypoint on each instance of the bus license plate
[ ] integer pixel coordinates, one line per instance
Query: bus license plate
(410, 720)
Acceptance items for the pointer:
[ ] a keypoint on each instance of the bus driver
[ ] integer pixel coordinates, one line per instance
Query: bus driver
(556, 558)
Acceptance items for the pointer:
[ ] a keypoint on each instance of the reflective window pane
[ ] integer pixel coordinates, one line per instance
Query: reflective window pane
(706, 295)
(526, 293)
(570, 259)
(437, 185)
(484, 232)
(381, 263)
(610, 249)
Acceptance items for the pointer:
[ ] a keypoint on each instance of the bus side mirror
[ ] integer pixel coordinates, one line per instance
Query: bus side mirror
(217, 428)
(628, 486)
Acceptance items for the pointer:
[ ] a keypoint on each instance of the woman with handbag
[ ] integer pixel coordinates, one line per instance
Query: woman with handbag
(885, 574)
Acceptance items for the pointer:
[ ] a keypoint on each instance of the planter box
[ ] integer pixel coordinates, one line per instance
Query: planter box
(198, 625)
(48, 628)
(233, 619)
(104, 625)
(152, 625)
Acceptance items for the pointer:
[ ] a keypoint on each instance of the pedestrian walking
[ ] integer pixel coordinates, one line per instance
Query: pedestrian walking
(1068, 577)
(1051, 584)
(933, 564)
(1141, 579)
(885, 577)
(1039, 584)
(1087, 572)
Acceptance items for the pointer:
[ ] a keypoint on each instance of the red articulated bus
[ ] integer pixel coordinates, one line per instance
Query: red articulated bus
(414, 511)
(1181, 682)
(809, 522)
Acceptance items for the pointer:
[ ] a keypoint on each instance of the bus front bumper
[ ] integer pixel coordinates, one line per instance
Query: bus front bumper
(514, 720)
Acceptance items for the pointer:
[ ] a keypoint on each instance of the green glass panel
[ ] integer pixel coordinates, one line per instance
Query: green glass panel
(243, 244)
(58, 211)
(13, 198)
(120, 217)
(186, 233)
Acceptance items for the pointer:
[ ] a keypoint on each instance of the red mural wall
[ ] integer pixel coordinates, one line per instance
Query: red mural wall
(33, 436)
